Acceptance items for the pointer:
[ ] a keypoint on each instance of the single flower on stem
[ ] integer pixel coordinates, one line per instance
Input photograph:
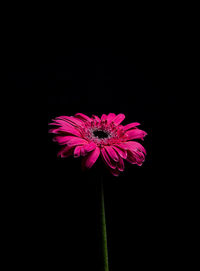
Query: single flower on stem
(81, 135)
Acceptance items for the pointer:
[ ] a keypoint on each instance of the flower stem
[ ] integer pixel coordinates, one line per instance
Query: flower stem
(104, 234)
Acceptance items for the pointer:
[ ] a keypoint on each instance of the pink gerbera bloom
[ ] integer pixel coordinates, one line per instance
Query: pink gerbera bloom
(105, 136)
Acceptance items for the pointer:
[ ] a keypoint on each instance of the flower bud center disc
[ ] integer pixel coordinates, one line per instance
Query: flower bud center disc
(100, 134)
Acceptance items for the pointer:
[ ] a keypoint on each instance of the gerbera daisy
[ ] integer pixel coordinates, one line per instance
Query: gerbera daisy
(105, 136)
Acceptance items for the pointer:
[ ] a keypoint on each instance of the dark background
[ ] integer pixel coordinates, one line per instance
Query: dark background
(139, 79)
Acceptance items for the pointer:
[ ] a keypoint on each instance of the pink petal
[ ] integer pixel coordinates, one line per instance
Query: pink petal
(107, 159)
(62, 123)
(120, 165)
(135, 146)
(70, 130)
(119, 118)
(69, 140)
(123, 145)
(72, 121)
(65, 152)
(54, 131)
(65, 127)
(136, 134)
(130, 158)
(130, 125)
(120, 151)
(91, 158)
(90, 147)
(135, 152)
(96, 118)
(62, 140)
(103, 117)
(77, 151)
(73, 141)
(135, 158)
(115, 172)
(83, 117)
(110, 117)
(112, 153)
(83, 151)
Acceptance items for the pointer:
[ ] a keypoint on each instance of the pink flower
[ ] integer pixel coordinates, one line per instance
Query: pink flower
(90, 137)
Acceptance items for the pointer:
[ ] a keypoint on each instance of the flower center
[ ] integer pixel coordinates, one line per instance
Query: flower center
(100, 134)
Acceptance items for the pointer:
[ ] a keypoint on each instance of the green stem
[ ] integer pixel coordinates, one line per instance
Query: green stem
(104, 234)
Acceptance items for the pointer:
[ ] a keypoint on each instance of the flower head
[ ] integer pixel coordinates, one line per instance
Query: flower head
(91, 137)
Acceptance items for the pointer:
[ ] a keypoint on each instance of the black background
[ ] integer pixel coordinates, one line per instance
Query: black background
(139, 79)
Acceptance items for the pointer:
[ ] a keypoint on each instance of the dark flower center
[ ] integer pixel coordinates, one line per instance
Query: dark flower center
(100, 134)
